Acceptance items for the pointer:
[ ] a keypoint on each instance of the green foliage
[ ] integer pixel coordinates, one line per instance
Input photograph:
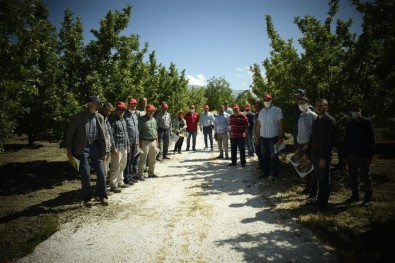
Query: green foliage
(246, 97)
(197, 97)
(217, 91)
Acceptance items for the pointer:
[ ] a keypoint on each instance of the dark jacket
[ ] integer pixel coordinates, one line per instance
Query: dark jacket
(359, 138)
(77, 133)
(323, 137)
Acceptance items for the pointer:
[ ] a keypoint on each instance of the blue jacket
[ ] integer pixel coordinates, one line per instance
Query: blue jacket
(132, 122)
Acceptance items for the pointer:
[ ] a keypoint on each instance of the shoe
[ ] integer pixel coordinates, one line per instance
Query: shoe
(220, 157)
(166, 157)
(88, 203)
(116, 189)
(153, 176)
(104, 201)
(211, 149)
(129, 182)
(109, 193)
(352, 199)
(227, 157)
(124, 186)
(243, 165)
(187, 149)
(232, 164)
(179, 152)
(134, 180)
(159, 159)
(141, 178)
(193, 149)
(205, 147)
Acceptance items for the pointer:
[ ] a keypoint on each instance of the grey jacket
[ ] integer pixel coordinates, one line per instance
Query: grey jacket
(76, 133)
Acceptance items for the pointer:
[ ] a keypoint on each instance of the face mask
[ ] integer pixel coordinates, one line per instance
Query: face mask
(192, 111)
(356, 114)
(267, 104)
(303, 107)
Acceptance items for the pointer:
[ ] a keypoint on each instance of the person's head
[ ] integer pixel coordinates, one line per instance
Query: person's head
(143, 102)
(180, 115)
(303, 103)
(321, 107)
(107, 109)
(93, 103)
(356, 111)
(205, 108)
(132, 104)
(165, 106)
(221, 109)
(192, 108)
(258, 105)
(121, 107)
(226, 104)
(150, 109)
(236, 109)
(267, 100)
(247, 107)
(299, 93)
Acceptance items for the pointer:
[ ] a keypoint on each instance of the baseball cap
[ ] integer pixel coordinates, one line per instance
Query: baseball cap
(267, 96)
(132, 101)
(150, 107)
(247, 107)
(192, 106)
(121, 105)
(165, 106)
(205, 107)
(236, 107)
(299, 92)
(93, 99)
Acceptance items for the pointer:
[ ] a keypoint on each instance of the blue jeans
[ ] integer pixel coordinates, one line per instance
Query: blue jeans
(208, 131)
(92, 152)
(234, 143)
(192, 134)
(131, 165)
(324, 182)
(164, 139)
(269, 158)
(249, 143)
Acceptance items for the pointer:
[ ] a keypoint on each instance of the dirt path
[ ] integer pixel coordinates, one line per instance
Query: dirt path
(198, 210)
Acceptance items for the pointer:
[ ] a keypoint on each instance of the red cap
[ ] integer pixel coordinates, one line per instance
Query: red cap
(150, 107)
(247, 107)
(267, 96)
(192, 106)
(121, 105)
(236, 107)
(132, 101)
(205, 107)
(165, 106)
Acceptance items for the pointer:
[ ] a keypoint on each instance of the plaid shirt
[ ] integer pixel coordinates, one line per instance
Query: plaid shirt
(92, 133)
(119, 133)
(269, 121)
(322, 137)
(163, 120)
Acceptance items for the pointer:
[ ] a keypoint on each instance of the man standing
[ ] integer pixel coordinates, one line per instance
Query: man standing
(86, 139)
(320, 147)
(359, 145)
(228, 110)
(270, 126)
(221, 129)
(120, 150)
(249, 141)
(132, 124)
(238, 125)
(305, 125)
(192, 119)
(257, 144)
(296, 112)
(206, 124)
(148, 132)
(163, 120)
(143, 105)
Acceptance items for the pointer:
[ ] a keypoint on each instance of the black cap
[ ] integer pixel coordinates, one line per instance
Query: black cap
(300, 92)
(93, 99)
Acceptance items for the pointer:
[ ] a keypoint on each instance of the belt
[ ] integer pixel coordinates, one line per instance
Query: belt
(91, 142)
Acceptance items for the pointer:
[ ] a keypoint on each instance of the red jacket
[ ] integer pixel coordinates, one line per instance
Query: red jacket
(238, 125)
(192, 120)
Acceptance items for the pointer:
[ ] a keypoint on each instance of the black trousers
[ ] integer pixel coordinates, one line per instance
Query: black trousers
(234, 143)
(178, 145)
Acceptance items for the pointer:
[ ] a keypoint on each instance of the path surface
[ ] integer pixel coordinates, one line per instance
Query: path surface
(198, 210)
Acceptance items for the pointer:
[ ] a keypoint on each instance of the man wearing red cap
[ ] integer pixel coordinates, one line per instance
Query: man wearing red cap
(270, 127)
(163, 119)
(120, 149)
(86, 139)
(148, 141)
(249, 141)
(258, 106)
(238, 125)
(206, 123)
(132, 159)
(192, 119)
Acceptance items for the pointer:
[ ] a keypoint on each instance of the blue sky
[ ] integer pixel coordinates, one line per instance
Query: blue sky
(205, 37)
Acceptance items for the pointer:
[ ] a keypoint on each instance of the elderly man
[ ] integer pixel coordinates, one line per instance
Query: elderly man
(121, 148)
(221, 129)
(86, 139)
(132, 124)
(148, 141)
(192, 119)
(163, 120)
(270, 126)
(143, 105)
(206, 124)
(238, 123)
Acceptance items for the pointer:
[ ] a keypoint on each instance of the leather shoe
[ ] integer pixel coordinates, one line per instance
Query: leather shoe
(88, 203)
(220, 157)
(104, 201)
(166, 157)
(116, 189)
(152, 176)
(124, 186)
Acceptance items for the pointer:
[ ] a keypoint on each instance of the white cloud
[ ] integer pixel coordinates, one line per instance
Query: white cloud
(240, 69)
(199, 80)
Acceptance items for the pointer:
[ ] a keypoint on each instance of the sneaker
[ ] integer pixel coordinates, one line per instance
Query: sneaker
(88, 203)
(124, 186)
(220, 157)
(104, 201)
(152, 176)
(116, 189)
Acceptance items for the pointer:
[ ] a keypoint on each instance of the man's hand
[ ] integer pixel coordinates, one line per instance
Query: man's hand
(115, 151)
(322, 163)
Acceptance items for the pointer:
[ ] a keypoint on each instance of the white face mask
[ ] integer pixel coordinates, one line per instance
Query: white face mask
(192, 110)
(267, 104)
(356, 114)
(303, 107)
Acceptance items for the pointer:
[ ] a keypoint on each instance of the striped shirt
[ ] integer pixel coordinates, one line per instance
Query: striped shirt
(163, 120)
(268, 119)
(238, 125)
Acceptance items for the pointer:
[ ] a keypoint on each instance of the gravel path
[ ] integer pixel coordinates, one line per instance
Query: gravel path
(198, 210)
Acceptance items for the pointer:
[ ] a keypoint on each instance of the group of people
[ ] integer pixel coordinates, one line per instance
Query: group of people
(124, 145)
